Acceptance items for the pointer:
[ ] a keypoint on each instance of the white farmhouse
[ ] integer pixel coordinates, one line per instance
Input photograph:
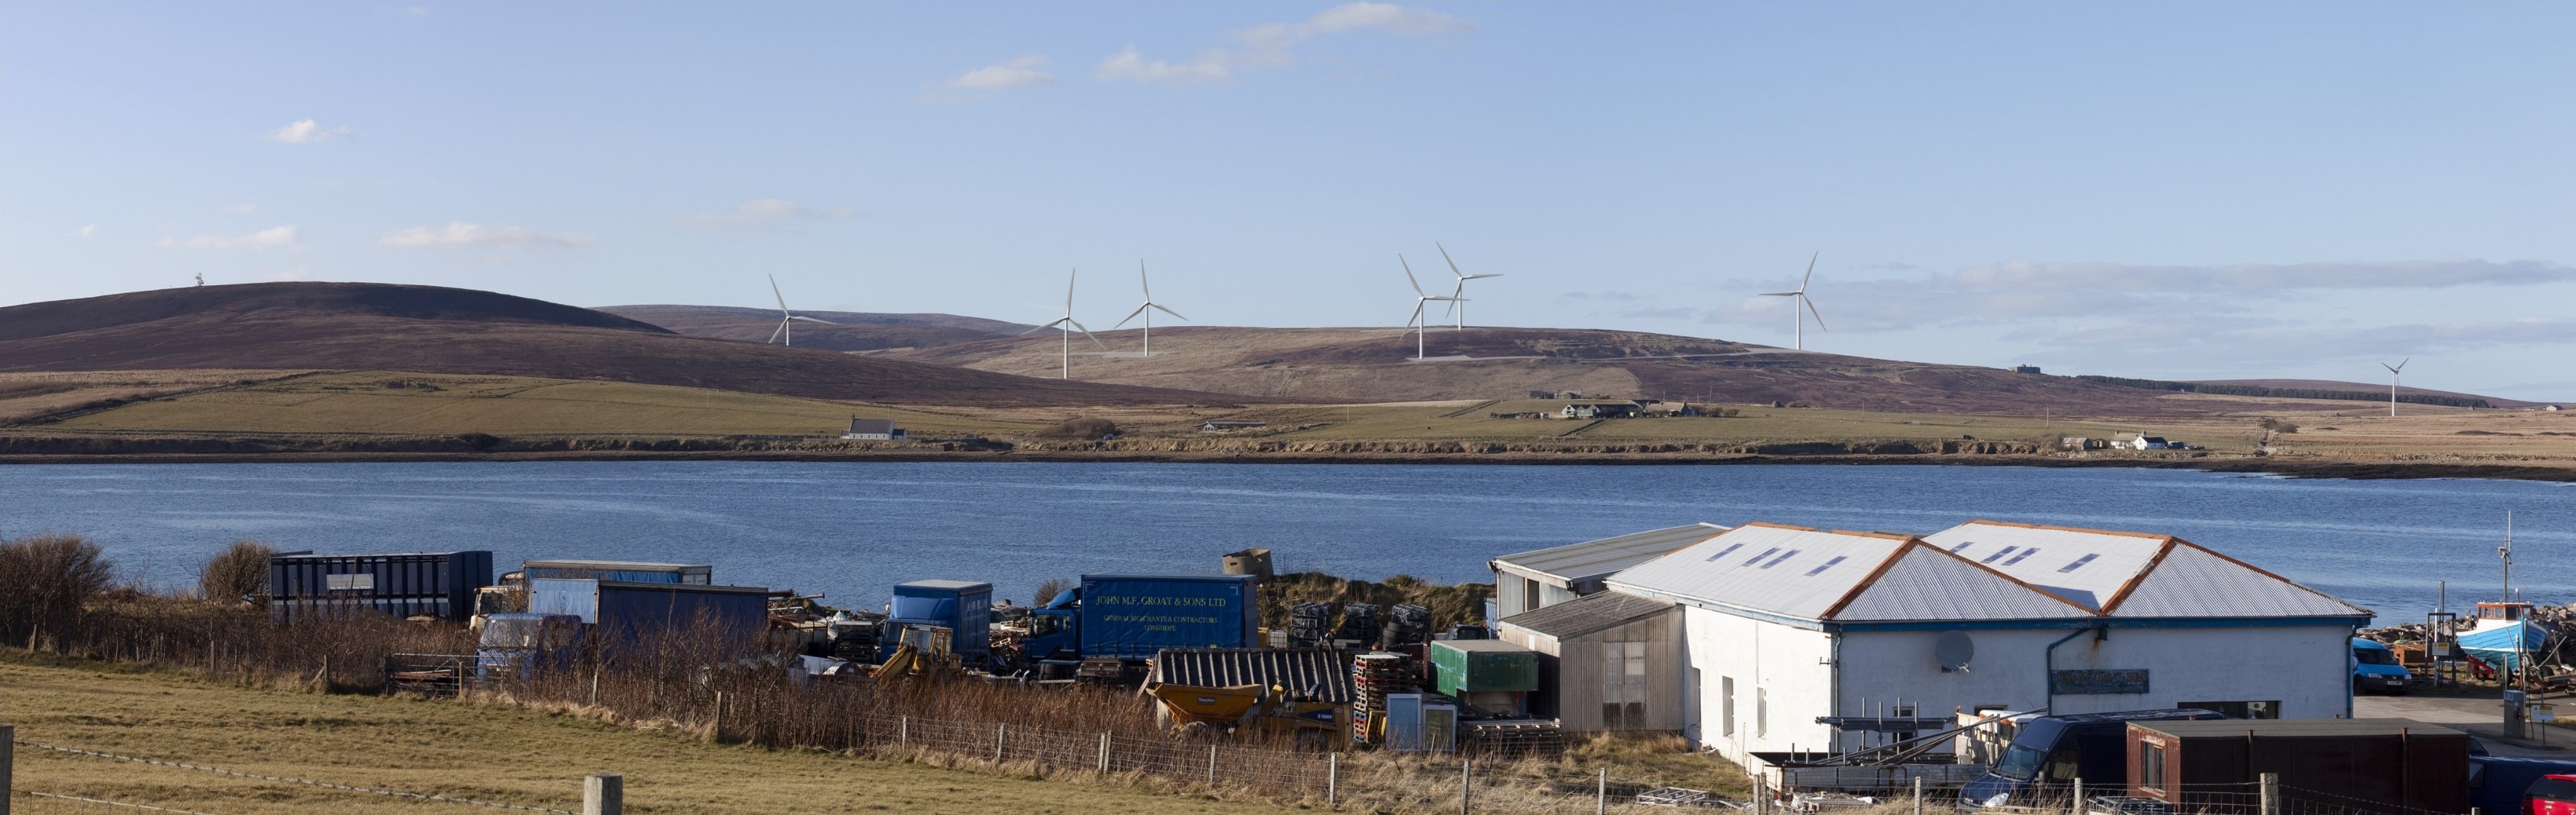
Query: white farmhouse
(873, 430)
(1800, 639)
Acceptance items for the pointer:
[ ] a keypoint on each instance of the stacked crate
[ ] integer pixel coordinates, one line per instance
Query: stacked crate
(1359, 623)
(1373, 676)
(1406, 624)
(1309, 624)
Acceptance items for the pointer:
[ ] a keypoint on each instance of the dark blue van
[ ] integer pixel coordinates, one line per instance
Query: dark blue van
(2049, 753)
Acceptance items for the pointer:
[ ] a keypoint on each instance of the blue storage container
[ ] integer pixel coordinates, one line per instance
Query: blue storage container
(1131, 616)
(964, 607)
(439, 584)
(623, 571)
(625, 611)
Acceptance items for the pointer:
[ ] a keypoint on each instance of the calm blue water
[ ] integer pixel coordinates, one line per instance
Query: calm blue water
(853, 529)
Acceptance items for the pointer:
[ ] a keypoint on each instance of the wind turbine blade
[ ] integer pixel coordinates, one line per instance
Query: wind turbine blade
(1159, 307)
(1811, 309)
(1068, 290)
(1482, 276)
(812, 319)
(1780, 294)
(1811, 271)
(1444, 255)
(1417, 314)
(773, 292)
(1148, 285)
(1122, 322)
(1408, 273)
(2401, 364)
(1050, 324)
(1086, 333)
(773, 333)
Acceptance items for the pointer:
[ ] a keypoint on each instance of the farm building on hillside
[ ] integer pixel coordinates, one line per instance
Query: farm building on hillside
(1605, 661)
(1598, 409)
(1544, 577)
(1795, 638)
(872, 430)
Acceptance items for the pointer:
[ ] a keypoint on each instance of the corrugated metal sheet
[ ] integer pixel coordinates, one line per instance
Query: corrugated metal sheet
(402, 584)
(2194, 582)
(624, 571)
(1575, 618)
(1323, 673)
(2162, 576)
(1789, 571)
(1926, 583)
(1563, 566)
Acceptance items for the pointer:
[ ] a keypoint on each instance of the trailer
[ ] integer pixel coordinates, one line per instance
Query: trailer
(1132, 616)
(2395, 765)
(438, 584)
(623, 571)
(963, 607)
(618, 613)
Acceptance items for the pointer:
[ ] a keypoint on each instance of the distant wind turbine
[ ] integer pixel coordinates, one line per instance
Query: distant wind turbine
(1458, 294)
(786, 335)
(2392, 382)
(1147, 309)
(1421, 300)
(1801, 294)
(1067, 325)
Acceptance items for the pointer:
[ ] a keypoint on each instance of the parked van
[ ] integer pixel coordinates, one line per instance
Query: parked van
(2049, 753)
(2375, 668)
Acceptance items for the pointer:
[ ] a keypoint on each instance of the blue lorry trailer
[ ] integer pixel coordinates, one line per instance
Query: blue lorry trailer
(963, 607)
(439, 584)
(618, 612)
(1132, 616)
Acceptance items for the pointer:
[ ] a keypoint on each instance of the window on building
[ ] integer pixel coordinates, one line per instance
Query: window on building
(2240, 710)
(1761, 712)
(2151, 766)
(1726, 704)
(1529, 594)
(1623, 685)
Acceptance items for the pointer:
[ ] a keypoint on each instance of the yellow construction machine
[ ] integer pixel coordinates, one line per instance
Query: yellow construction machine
(1270, 709)
(921, 651)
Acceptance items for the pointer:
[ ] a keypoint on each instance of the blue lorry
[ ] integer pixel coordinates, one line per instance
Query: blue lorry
(1131, 616)
(963, 607)
(2375, 668)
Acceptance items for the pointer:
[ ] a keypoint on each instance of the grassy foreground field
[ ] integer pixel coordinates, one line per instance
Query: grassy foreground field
(473, 751)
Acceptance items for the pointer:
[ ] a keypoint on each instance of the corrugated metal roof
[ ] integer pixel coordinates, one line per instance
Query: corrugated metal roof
(1925, 583)
(616, 564)
(2133, 574)
(1566, 565)
(1786, 570)
(1587, 614)
(1323, 673)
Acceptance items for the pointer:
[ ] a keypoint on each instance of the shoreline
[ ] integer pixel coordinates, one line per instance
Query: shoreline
(2289, 467)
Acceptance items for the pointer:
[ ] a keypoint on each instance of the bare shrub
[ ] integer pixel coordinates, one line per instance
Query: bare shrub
(1078, 429)
(46, 584)
(238, 572)
(1049, 588)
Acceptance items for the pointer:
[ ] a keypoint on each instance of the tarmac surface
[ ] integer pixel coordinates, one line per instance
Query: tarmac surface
(2481, 717)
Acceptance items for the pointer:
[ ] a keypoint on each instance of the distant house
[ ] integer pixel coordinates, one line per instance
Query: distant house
(873, 430)
(1597, 409)
(2080, 443)
(2025, 369)
(1662, 408)
(2142, 441)
(1217, 427)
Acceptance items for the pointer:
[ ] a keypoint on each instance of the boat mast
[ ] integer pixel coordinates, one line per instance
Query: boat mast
(2505, 553)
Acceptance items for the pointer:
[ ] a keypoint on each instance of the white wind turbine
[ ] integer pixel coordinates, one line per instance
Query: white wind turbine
(1421, 301)
(2392, 382)
(1458, 295)
(1801, 294)
(785, 335)
(1067, 325)
(1147, 309)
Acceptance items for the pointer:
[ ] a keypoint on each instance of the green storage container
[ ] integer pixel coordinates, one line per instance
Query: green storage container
(1469, 666)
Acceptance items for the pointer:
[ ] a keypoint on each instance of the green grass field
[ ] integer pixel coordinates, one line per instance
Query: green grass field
(1753, 423)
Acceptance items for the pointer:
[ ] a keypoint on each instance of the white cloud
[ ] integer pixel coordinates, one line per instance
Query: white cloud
(1019, 73)
(1272, 45)
(462, 235)
(272, 237)
(759, 213)
(244, 208)
(306, 131)
(86, 230)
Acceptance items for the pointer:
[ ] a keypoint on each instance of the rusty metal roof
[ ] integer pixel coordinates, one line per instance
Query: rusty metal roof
(1322, 673)
(1586, 614)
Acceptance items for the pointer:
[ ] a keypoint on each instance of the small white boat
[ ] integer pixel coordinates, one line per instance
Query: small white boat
(2501, 634)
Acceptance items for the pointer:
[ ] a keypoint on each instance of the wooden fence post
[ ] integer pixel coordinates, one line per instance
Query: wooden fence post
(1466, 785)
(8, 747)
(1104, 754)
(1001, 733)
(1918, 795)
(1332, 779)
(715, 725)
(2271, 793)
(603, 794)
(1211, 780)
(2076, 807)
(1601, 794)
(903, 734)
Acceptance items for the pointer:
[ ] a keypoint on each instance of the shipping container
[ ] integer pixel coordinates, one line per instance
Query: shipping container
(439, 584)
(622, 571)
(735, 616)
(962, 606)
(2387, 765)
(1494, 677)
(1131, 616)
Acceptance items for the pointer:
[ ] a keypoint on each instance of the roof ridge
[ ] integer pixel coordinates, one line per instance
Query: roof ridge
(2121, 595)
(1871, 579)
(2119, 532)
(1770, 525)
(2172, 543)
(2015, 580)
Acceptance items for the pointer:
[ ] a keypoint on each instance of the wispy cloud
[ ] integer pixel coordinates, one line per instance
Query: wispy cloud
(462, 235)
(1273, 45)
(86, 230)
(307, 131)
(1019, 73)
(244, 208)
(270, 238)
(759, 213)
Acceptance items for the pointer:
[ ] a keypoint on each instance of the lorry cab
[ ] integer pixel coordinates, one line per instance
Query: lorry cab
(522, 645)
(2048, 754)
(1055, 631)
(2375, 668)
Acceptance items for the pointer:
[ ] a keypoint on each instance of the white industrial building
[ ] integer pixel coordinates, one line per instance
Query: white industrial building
(1791, 637)
(1539, 578)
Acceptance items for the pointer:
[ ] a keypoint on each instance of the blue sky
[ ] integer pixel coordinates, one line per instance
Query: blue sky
(2167, 190)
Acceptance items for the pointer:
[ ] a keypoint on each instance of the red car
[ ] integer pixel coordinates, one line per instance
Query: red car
(2551, 795)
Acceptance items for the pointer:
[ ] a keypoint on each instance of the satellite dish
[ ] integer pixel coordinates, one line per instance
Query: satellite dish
(1954, 650)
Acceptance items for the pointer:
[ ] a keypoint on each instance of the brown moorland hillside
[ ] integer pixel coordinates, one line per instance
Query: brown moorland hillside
(1371, 365)
(845, 331)
(373, 326)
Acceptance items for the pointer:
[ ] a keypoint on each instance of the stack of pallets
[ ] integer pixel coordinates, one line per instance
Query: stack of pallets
(1373, 676)
(1309, 624)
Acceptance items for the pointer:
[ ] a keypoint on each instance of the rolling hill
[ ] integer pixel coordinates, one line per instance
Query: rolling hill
(847, 331)
(373, 326)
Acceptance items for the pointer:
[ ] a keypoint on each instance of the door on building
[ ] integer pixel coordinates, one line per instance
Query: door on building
(1691, 706)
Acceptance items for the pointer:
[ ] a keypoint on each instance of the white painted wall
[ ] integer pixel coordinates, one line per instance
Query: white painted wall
(1780, 675)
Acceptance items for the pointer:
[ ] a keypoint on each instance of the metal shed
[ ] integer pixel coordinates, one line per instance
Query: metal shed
(1317, 672)
(1578, 643)
(2390, 765)
(1525, 581)
(439, 584)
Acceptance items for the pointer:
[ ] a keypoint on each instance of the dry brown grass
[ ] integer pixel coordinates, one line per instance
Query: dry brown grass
(26, 395)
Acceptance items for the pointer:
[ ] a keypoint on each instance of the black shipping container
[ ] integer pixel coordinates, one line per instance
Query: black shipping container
(439, 584)
(2362, 765)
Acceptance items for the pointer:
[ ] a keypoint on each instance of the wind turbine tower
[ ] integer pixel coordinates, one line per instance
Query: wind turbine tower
(1147, 309)
(1458, 294)
(1066, 325)
(2392, 382)
(1794, 315)
(786, 333)
(1421, 300)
